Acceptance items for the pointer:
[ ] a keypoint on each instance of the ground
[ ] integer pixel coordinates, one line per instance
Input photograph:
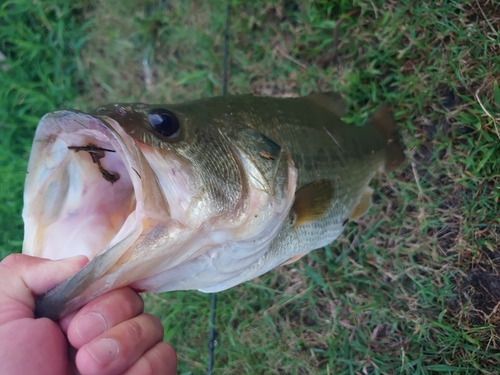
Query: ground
(411, 288)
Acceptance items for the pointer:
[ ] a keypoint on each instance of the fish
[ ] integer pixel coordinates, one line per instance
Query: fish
(202, 195)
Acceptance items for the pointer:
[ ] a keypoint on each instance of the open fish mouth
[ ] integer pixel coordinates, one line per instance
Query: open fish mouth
(83, 187)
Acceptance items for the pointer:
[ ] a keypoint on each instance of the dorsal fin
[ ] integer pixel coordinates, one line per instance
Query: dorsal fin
(383, 120)
(330, 100)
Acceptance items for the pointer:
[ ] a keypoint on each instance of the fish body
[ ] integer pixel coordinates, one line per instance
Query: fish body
(199, 195)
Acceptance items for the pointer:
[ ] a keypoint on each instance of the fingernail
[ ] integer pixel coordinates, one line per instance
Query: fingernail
(104, 351)
(90, 325)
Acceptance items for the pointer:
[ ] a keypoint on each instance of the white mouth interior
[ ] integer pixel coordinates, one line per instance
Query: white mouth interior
(81, 211)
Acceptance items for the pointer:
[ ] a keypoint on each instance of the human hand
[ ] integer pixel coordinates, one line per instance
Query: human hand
(109, 335)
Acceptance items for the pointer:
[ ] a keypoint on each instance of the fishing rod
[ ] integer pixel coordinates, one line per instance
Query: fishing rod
(213, 307)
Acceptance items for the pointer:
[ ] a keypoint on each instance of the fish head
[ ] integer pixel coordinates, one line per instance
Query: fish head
(142, 190)
(205, 161)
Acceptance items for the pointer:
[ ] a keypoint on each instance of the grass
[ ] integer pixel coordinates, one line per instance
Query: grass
(411, 288)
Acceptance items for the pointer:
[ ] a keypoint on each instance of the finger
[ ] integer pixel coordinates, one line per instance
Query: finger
(102, 314)
(65, 321)
(32, 346)
(160, 359)
(117, 349)
(41, 274)
(22, 277)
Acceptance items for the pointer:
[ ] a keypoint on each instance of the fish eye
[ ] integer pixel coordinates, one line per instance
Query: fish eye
(164, 122)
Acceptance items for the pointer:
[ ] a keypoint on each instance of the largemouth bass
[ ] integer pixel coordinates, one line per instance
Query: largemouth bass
(200, 195)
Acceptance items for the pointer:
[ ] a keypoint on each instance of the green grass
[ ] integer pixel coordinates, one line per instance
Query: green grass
(412, 287)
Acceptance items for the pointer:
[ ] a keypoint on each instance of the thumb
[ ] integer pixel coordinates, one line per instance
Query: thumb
(22, 277)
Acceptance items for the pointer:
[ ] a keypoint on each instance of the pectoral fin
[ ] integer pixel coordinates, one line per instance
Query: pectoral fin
(312, 201)
(294, 258)
(363, 205)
